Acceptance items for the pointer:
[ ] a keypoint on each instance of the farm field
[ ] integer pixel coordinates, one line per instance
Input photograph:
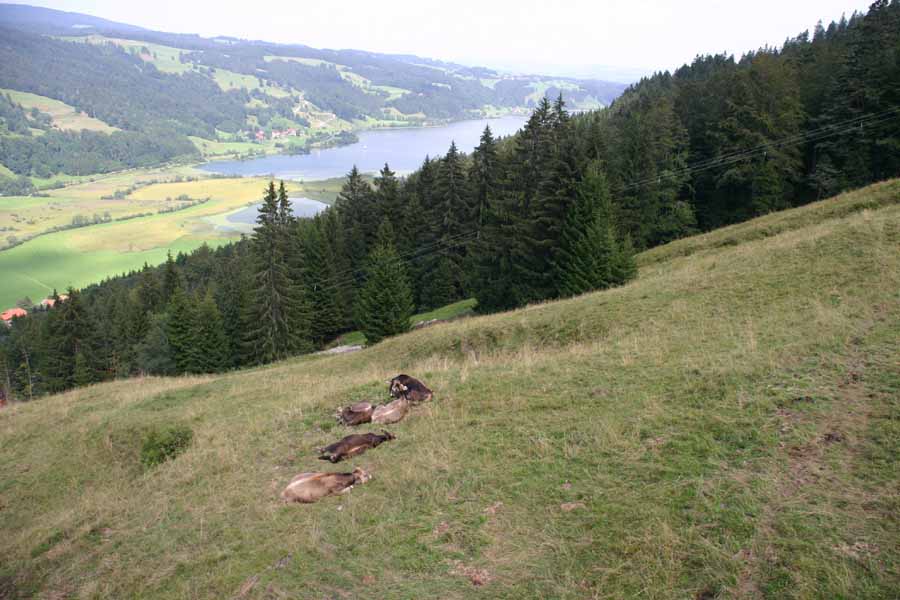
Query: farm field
(724, 426)
(64, 116)
(85, 255)
(34, 215)
(164, 58)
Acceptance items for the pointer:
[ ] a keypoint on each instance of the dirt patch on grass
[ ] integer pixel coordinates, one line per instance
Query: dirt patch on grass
(802, 469)
(477, 576)
(493, 508)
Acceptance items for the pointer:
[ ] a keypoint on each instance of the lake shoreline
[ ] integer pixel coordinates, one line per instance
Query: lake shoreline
(402, 148)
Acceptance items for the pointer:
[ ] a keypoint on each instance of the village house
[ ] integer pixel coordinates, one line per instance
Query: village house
(8, 315)
(49, 302)
(283, 133)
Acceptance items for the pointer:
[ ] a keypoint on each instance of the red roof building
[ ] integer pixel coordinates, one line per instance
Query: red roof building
(8, 315)
(50, 302)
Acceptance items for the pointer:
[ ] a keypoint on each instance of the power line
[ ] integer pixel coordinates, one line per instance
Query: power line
(442, 246)
(807, 136)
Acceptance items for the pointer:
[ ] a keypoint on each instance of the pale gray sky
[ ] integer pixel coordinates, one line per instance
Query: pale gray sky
(575, 37)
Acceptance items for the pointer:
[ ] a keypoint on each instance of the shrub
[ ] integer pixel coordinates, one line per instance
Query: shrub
(161, 445)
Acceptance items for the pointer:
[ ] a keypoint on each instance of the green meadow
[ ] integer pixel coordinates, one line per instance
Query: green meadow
(725, 426)
(78, 257)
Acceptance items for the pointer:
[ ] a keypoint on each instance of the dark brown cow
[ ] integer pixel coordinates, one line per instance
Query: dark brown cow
(310, 487)
(404, 386)
(353, 445)
(355, 414)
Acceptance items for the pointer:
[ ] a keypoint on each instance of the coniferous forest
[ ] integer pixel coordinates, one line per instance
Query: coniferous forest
(557, 210)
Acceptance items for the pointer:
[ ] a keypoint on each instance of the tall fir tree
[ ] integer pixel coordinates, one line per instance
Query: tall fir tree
(387, 197)
(69, 332)
(384, 304)
(277, 324)
(592, 256)
(484, 177)
(181, 332)
(320, 281)
(356, 203)
(451, 230)
(171, 279)
(211, 351)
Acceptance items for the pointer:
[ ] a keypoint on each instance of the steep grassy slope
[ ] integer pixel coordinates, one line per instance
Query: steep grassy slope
(726, 426)
(64, 116)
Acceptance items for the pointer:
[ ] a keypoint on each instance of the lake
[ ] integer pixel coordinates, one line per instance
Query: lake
(403, 149)
(244, 220)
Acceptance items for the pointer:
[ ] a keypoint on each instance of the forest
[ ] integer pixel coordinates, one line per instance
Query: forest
(557, 210)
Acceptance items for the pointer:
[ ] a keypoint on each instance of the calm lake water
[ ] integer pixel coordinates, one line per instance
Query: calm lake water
(244, 220)
(403, 149)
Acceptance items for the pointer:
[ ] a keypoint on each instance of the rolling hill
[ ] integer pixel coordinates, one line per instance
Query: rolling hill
(176, 86)
(726, 426)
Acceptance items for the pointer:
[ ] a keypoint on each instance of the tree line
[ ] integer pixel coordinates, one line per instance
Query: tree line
(557, 210)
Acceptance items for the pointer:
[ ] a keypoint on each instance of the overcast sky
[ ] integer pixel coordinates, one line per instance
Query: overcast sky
(577, 37)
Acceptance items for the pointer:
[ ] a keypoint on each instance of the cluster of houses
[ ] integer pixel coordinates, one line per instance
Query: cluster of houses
(8, 315)
(277, 134)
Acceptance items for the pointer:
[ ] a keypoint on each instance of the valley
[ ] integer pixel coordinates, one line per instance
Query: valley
(131, 218)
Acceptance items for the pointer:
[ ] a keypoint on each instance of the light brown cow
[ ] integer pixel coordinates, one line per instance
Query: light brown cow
(312, 487)
(392, 412)
(355, 414)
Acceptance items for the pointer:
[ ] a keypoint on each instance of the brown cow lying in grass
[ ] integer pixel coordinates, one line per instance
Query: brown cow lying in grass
(311, 487)
(353, 445)
(392, 412)
(404, 389)
(404, 386)
(355, 414)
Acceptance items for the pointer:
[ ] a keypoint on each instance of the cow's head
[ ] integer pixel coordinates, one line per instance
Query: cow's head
(361, 475)
(397, 388)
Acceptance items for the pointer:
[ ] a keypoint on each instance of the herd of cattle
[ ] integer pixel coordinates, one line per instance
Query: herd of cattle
(406, 391)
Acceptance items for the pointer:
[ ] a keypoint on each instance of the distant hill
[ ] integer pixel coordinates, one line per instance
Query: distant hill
(225, 89)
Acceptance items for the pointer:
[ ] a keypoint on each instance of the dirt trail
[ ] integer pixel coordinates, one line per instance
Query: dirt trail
(801, 470)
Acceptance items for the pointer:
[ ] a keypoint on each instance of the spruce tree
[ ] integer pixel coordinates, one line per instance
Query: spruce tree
(356, 204)
(171, 279)
(532, 243)
(484, 176)
(341, 276)
(154, 354)
(388, 201)
(69, 331)
(82, 374)
(277, 318)
(320, 282)
(232, 293)
(591, 255)
(452, 229)
(384, 304)
(212, 352)
(182, 327)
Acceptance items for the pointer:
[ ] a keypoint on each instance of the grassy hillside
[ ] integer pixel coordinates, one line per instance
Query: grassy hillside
(725, 426)
(64, 116)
